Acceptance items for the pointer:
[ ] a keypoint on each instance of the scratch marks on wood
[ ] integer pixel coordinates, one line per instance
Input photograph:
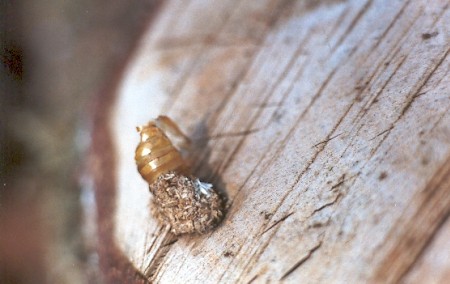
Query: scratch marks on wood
(423, 83)
(253, 279)
(391, 24)
(235, 134)
(381, 133)
(339, 183)
(160, 253)
(420, 94)
(280, 147)
(391, 55)
(387, 58)
(306, 168)
(327, 140)
(343, 180)
(370, 103)
(170, 242)
(284, 5)
(181, 83)
(352, 25)
(410, 101)
(339, 195)
(301, 261)
(363, 111)
(277, 222)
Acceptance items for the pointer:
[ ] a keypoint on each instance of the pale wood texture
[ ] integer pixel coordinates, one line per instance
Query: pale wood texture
(327, 124)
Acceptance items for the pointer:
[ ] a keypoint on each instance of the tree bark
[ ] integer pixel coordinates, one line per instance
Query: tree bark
(326, 123)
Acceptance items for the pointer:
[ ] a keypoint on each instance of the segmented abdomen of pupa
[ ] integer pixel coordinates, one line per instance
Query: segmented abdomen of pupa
(156, 155)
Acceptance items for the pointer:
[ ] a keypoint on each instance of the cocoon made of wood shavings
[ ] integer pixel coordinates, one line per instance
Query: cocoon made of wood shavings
(186, 204)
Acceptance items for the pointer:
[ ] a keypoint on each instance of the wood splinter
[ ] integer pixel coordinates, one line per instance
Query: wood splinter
(180, 200)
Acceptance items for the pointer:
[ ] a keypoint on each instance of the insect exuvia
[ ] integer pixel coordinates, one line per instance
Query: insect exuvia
(180, 199)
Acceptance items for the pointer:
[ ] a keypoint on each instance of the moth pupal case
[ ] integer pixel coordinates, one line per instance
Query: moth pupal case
(179, 199)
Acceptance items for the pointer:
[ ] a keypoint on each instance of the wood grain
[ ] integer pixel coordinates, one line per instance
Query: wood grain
(325, 122)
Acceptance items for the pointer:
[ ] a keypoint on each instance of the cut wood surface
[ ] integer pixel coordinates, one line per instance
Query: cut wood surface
(326, 123)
